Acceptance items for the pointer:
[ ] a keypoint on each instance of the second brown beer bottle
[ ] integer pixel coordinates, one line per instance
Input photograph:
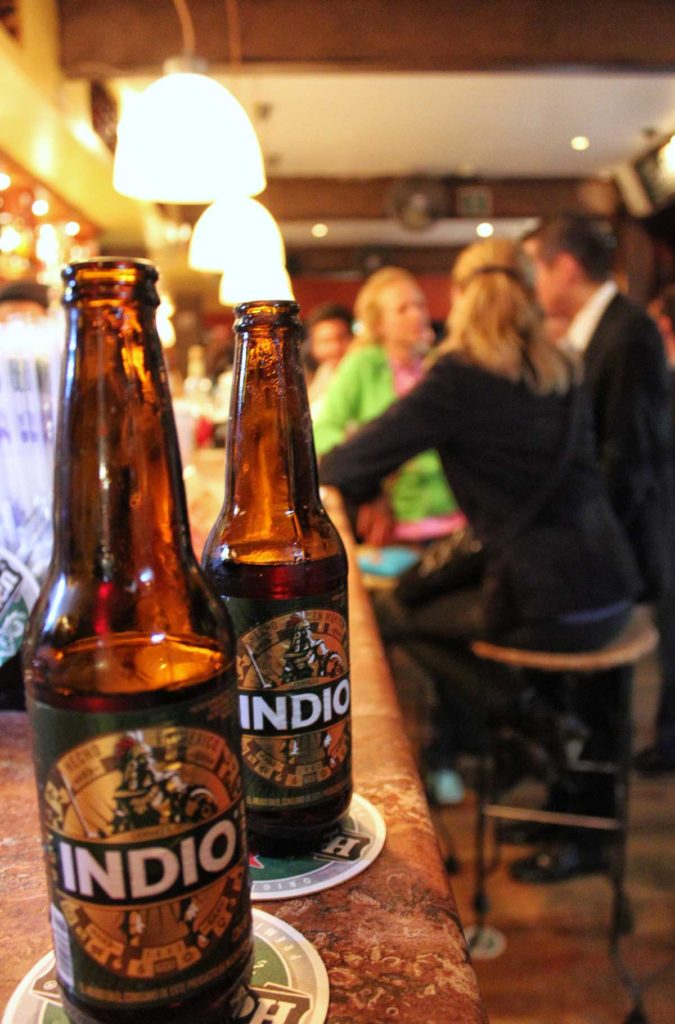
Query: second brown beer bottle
(278, 562)
(129, 667)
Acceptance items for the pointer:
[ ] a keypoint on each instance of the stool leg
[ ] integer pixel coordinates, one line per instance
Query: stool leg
(621, 922)
(480, 899)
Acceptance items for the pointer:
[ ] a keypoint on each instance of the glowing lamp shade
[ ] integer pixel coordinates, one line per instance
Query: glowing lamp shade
(186, 139)
(252, 280)
(233, 229)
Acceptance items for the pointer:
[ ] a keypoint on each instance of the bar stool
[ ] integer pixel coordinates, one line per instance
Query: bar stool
(638, 639)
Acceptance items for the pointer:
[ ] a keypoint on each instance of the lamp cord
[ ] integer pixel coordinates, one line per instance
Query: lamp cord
(233, 33)
(233, 30)
(186, 26)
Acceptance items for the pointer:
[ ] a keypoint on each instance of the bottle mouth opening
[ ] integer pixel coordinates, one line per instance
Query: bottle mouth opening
(110, 276)
(271, 312)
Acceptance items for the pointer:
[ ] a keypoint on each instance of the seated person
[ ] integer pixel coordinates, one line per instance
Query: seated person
(513, 428)
(329, 335)
(384, 362)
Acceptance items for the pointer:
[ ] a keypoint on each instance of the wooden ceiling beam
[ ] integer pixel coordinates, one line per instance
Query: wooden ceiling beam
(359, 261)
(320, 199)
(101, 39)
(368, 198)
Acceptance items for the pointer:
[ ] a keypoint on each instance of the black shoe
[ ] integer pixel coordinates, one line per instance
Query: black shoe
(653, 761)
(558, 862)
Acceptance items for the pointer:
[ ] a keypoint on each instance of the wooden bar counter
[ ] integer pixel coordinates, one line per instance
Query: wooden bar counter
(390, 938)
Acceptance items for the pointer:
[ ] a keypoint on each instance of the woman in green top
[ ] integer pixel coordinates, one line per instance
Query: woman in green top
(384, 363)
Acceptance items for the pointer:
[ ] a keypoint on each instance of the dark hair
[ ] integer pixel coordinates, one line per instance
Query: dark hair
(667, 303)
(328, 311)
(26, 291)
(588, 239)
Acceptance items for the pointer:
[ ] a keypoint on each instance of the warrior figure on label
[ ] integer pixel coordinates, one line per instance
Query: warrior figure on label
(149, 796)
(306, 657)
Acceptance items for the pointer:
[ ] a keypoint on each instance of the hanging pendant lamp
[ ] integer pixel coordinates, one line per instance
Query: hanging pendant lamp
(254, 279)
(186, 139)
(230, 230)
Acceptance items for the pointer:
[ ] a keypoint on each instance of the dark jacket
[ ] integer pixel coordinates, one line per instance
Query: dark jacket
(627, 375)
(498, 443)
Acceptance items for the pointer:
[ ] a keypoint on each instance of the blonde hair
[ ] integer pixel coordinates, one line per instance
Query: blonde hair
(494, 322)
(368, 302)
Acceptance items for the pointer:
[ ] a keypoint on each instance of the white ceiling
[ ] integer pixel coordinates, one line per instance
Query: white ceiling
(493, 125)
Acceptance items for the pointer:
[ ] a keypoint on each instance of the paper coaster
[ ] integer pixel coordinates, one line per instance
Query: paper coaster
(347, 851)
(289, 982)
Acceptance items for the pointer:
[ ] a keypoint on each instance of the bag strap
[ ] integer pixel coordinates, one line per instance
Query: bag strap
(538, 500)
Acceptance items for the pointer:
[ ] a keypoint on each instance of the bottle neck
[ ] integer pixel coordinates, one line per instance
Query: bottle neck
(119, 504)
(271, 486)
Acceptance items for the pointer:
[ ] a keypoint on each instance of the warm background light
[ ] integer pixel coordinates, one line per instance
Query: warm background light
(10, 239)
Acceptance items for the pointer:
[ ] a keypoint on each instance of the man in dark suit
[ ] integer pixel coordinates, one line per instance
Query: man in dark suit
(626, 373)
(659, 756)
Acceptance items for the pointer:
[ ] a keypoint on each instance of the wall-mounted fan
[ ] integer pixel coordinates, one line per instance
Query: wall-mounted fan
(417, 202)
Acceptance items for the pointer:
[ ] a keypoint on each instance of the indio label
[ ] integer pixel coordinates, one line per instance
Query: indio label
(142, 816)
(294, 699)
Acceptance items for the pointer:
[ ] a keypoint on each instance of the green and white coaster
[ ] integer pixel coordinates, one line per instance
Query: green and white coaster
(18, 593)
(346, 851)
(289, 980)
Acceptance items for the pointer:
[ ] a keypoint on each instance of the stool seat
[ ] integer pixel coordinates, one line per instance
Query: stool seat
(638, 638)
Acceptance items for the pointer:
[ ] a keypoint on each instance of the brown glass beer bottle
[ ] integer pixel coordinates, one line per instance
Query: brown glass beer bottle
(129, 670)
(278, 562)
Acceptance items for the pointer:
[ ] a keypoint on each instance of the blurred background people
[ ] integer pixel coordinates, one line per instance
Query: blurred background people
(663, 312)
(626, 376)
(26, 298)
(514, 432)
(625, 370)
(329, 335)
(384, 362)
(218, 366)
(219, 351)
(556, 328)
(659, 756)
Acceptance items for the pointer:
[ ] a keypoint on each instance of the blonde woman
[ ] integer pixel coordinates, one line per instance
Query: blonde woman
(384, 362)
(510, 421)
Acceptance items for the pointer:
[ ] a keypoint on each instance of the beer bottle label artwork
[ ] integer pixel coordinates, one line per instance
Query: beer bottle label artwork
(142, 822)
(294, 698)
